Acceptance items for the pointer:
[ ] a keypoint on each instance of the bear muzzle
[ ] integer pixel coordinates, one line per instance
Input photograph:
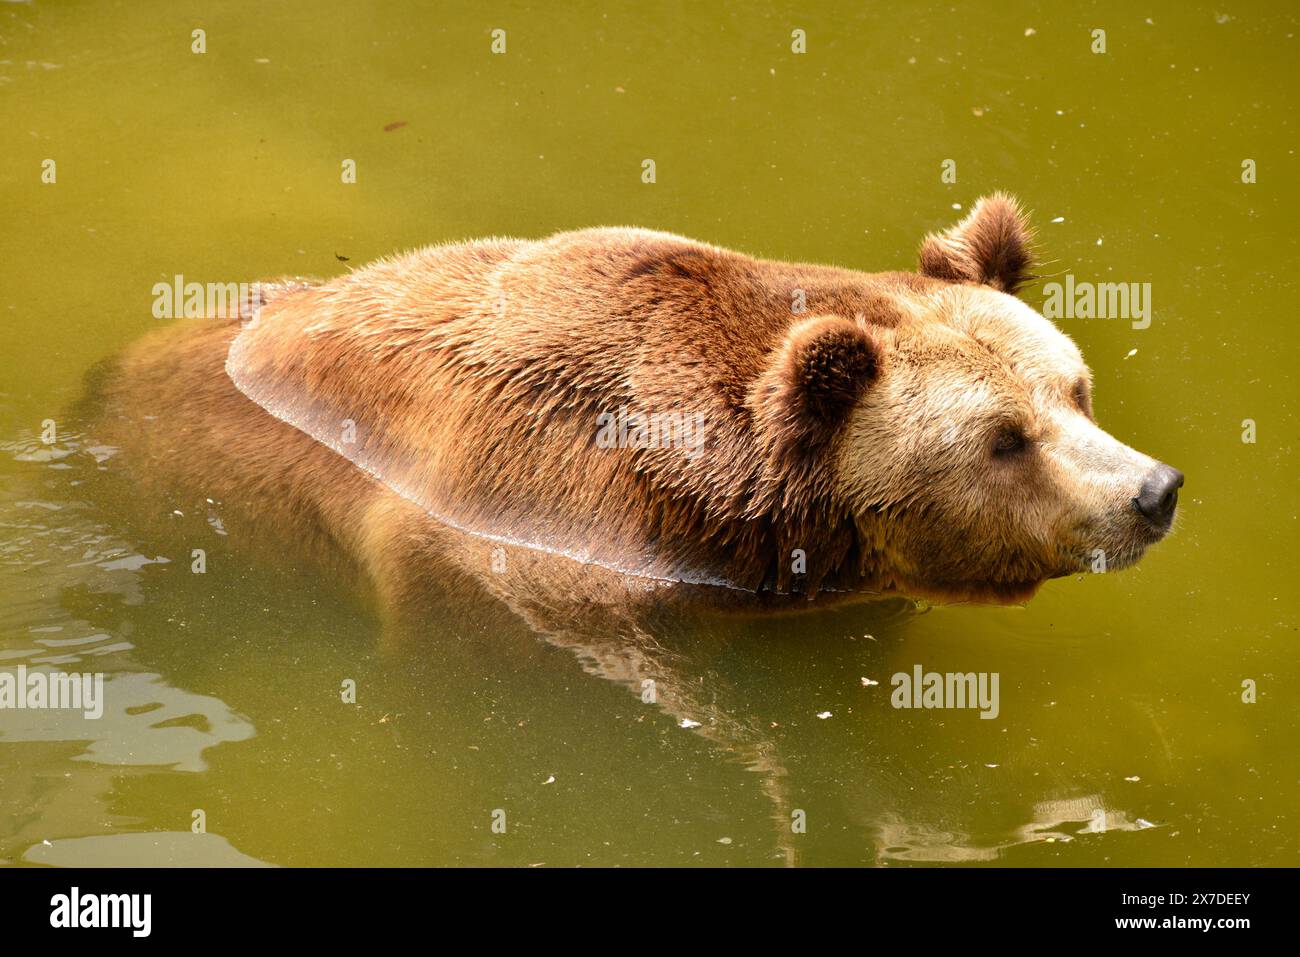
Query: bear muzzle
(1158, 498)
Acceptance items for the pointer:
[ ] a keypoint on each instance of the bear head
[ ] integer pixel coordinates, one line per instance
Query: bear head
(961, 437)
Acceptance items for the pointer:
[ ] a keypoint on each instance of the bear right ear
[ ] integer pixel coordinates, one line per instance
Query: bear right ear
(812, 381)
(990, 246)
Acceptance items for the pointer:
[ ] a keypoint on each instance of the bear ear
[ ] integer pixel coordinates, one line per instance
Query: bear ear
(812, 381)
(990, 246)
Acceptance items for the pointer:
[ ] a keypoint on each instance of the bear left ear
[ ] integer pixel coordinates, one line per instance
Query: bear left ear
(990, 246)
(812, 381)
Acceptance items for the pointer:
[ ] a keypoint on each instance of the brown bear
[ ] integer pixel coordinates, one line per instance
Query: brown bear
(665, 408)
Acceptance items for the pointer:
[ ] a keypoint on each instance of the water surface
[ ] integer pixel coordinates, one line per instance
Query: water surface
(1122, 737)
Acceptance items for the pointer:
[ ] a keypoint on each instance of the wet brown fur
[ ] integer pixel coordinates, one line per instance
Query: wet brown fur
(476, 373)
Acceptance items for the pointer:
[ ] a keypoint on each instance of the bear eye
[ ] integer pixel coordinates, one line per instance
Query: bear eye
(1081, 397)
(1008, 440)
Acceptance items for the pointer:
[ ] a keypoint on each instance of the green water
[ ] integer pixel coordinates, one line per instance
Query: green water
(1122, 737)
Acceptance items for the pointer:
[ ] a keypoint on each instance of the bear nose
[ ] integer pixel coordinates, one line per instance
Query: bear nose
(1159, 495)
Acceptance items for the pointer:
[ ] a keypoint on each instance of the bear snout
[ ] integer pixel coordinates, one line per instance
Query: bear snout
(1158, 497)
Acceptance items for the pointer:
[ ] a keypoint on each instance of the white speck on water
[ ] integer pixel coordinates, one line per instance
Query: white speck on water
(990, 765)
(550, 780)
(868, 683)
(688, 723)
(1133, 778)
(1059, 219)
(1131, 354)
(724, 840)
(1143, 824)
(1030, 31)
(823, 715)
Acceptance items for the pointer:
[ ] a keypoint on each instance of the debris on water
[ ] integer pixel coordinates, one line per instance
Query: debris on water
(1059, 219)
(990, 765)
(1133, 778)
(724, 840)
(823, 715)
(550, 780)
(1030, 31)
(688, 723)
(1131, 354)
(868, 683)
(132, 563)
(397, 125)
(1143, 824)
